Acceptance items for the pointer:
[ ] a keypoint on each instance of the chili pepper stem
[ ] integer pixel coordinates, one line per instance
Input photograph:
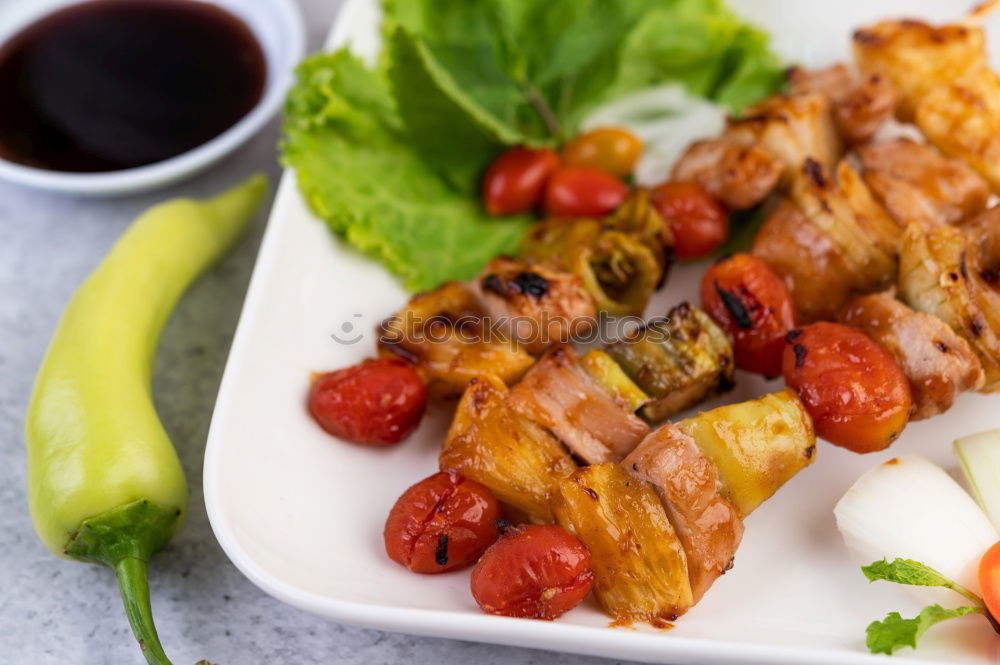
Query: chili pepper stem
(134, 586)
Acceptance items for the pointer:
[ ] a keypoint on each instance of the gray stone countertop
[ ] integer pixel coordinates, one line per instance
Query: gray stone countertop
(66, 613)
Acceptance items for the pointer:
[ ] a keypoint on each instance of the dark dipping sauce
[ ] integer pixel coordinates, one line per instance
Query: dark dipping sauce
(115, 84)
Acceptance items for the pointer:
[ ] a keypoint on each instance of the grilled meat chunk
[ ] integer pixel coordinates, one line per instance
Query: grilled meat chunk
(441, 333)
(791, 128)
(517, 459)
(916, 183)
(678, 360)
(536, 306)
(639, 564)
(560, 394)
(709, 527)
(741, 176)
(937, 362)
(944, 272)
(861, 105)
(756, 446)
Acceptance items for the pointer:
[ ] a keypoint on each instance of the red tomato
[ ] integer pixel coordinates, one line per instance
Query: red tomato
(698, 222)
(610, 149)
(377, 402)
(578, 191)
(442, 523)
(854, 389)
(515, 181)
(538, 572)
(989, 579)
(753, 305)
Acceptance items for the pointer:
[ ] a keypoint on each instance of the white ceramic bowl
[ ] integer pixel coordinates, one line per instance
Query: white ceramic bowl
(279, 28)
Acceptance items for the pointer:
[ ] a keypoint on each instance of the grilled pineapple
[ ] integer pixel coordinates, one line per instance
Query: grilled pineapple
(602, 368)
(440, 332)
(940, 274)
(639, 564)
(677, 360)
(518, 460)
(756, 446)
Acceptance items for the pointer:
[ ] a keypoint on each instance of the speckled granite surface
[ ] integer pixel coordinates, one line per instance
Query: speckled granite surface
(59, 612)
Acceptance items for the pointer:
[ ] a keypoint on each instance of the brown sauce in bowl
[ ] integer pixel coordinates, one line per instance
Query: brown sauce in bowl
(107, 85)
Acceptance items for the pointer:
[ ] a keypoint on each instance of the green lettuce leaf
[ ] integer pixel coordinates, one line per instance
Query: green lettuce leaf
(894, 632)
(357, 170)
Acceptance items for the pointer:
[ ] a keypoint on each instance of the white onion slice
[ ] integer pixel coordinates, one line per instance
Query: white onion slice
(910, 508)
(980, 458)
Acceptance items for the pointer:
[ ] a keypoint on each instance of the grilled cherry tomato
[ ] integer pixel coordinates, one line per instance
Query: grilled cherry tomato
(753, 305)
(609, 149)
(699, 223)
(989, 579)
(515, 181)
(538, 572)
(442, 523)
(377, 402)
(579, 191)
(854, 389)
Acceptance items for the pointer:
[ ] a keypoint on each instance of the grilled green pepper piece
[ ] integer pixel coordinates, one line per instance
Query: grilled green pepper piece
(104, 481)
(678, 360)
(602, 368)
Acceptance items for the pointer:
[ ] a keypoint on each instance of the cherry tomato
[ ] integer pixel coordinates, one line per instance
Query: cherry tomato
(610, 149)
(699, 223)
(377, 402)
(579, 191)
(442, 523)
(515, 181)
(753, 305)
(538, 572)
(854, 389)
(989, 579)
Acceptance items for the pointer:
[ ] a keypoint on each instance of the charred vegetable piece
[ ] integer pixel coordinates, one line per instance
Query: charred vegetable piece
(561, 395)
(756, 446)
(938, 363)
(678, 360)
(603, 369)
(640, 568)
(707, 524)
(519, 461)
(949, 274)
(620, 258)
(535, 306)
(441, 334)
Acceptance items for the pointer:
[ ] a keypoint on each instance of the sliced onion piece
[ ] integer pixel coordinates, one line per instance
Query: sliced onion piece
(910, 508)
(980, 458)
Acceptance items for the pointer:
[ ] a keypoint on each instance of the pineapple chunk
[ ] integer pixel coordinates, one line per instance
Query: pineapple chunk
(602, 368)
(640, 568)
(756, 445)
(518, 460)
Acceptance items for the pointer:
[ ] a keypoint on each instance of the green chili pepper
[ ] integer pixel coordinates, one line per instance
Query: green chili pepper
(104, 481)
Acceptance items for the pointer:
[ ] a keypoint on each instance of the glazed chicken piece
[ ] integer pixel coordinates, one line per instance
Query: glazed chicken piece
(937, 362)
(945, 83)
(709, 527)
(441, 334)
(536, 306)
(741, 176)
(916, 183)
(861, 104)
(560, 394)
(830, 240)
(791, 128)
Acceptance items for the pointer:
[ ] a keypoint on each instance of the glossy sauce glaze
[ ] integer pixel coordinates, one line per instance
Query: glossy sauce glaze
(107, 85)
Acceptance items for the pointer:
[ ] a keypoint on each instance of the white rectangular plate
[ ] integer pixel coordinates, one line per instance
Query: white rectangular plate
(301, 514)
